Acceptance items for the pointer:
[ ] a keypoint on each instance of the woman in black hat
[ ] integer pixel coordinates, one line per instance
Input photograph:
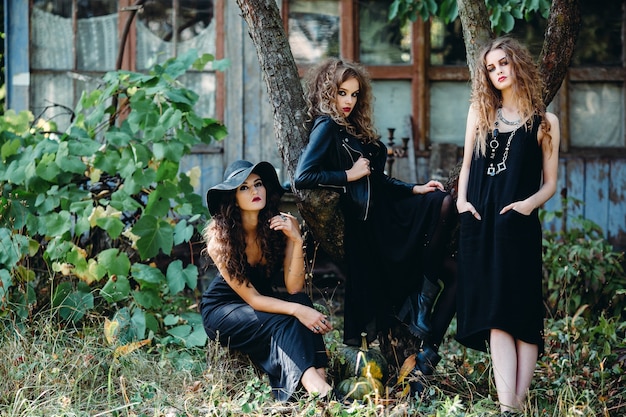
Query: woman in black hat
(251, 241)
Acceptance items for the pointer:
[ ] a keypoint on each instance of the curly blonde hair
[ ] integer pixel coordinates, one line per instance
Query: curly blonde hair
(527, 88)
(322, 84)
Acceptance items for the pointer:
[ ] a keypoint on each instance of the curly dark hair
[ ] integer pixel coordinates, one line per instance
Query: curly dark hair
(226, 228)
(322, 84)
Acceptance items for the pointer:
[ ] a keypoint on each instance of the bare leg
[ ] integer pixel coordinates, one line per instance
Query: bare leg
(526, 360)
(313, 382)
(504, 359)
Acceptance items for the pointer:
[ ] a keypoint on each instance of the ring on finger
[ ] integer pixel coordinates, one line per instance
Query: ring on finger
(317, 328)
(323, 321)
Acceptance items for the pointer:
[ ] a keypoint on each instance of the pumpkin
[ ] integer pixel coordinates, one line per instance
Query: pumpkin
(358, 387)
(364, 362)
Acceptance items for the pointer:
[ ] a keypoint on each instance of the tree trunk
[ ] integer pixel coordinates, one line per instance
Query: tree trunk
(558, 45)
(317, 207)
(476, 28)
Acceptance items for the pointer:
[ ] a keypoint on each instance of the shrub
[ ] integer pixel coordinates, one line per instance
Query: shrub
(90, 218)
(581, 268)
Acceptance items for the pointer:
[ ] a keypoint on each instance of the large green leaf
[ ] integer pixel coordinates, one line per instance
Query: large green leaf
(177, 277)
(115, 262)
(148, 298)
(112, 225)
(154, 235)
(147, 275)
(183, 232)
(172, 150)
(116, 289)
(55, 224)
(158, 204)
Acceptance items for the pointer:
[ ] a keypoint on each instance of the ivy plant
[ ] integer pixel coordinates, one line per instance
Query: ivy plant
(90, 217)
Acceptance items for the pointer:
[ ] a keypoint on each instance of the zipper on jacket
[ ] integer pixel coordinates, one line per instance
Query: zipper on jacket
(367, 205)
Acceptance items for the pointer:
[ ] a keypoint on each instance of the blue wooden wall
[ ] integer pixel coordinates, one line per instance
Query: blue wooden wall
(600, 182)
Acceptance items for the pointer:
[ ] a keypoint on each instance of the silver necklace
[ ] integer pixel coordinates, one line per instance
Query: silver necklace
(493, 144)
(505, 121)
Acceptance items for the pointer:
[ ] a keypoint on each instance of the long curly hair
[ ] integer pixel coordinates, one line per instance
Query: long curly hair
(527, 88)
(322, 83)
(226, 228)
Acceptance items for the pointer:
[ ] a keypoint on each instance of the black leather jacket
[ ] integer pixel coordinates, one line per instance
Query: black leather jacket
(330, 152)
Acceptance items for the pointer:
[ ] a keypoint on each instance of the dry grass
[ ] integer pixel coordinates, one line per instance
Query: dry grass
(48, 370)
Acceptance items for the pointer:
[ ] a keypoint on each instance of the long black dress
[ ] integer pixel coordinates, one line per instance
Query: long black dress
(278, 344)
(384, 253)
(500, 255)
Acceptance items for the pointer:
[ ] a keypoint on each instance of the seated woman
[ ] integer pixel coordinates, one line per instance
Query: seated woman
(251, 242)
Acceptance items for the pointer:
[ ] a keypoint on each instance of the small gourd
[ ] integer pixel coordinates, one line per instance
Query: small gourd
(364, 362)
(358, 387)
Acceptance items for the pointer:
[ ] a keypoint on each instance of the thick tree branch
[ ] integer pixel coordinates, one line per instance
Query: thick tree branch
(558, 45)
(280, 73)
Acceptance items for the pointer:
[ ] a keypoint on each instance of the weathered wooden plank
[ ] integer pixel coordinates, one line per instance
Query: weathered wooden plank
(596, 198)
(616, 229)
(575, 186)
(234, 78)
(555, 204)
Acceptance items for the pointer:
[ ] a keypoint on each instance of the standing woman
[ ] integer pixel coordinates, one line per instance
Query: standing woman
(251, 243)
(396, 233)
(509, 170)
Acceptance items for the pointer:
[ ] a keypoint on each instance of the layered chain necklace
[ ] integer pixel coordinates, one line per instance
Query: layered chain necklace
(494, 144)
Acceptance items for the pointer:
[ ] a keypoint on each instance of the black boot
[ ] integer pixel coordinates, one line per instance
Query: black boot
(416, 310)
(425, 362)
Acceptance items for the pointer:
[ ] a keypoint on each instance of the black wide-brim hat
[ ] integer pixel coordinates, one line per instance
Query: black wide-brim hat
(235, 174)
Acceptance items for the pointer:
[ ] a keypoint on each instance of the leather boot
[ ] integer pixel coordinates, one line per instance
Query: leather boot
(416, 310)
(427, 359)
(425, 362)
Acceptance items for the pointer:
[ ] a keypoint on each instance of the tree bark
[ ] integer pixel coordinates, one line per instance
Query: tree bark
(476, 29)
(317, 207)
(558, 45)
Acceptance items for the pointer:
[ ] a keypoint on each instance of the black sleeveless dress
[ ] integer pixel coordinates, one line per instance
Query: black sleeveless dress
(500, 268)
(278, 344)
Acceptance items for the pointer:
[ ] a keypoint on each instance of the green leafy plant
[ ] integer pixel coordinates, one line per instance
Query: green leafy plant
(502, 13)
(99, 217)
(581, 268)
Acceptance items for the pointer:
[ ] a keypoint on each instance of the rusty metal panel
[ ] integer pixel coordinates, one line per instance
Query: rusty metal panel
(616, 229)
(596, 206)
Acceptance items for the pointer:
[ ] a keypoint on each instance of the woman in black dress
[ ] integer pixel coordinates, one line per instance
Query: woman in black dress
(509, 170)
(396, 234)
(251, 242)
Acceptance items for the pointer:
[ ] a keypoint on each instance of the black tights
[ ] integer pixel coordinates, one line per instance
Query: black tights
(440, 265)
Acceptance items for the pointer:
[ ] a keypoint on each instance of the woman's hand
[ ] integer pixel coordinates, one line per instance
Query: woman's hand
(313, 319)
(360, 169)
(288, 224)
(430, 186)
(522, 207)
(462, 207)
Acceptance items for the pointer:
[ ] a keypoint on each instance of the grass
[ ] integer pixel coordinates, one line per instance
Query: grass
(51, 370)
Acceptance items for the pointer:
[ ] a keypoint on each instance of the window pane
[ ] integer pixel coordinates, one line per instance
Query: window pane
(600, 41)
(392, 108)
(597, 114)
(95, 43)
(446, 43)
(449, 103)
(382, 42)
(193, 16)
(313, 29)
